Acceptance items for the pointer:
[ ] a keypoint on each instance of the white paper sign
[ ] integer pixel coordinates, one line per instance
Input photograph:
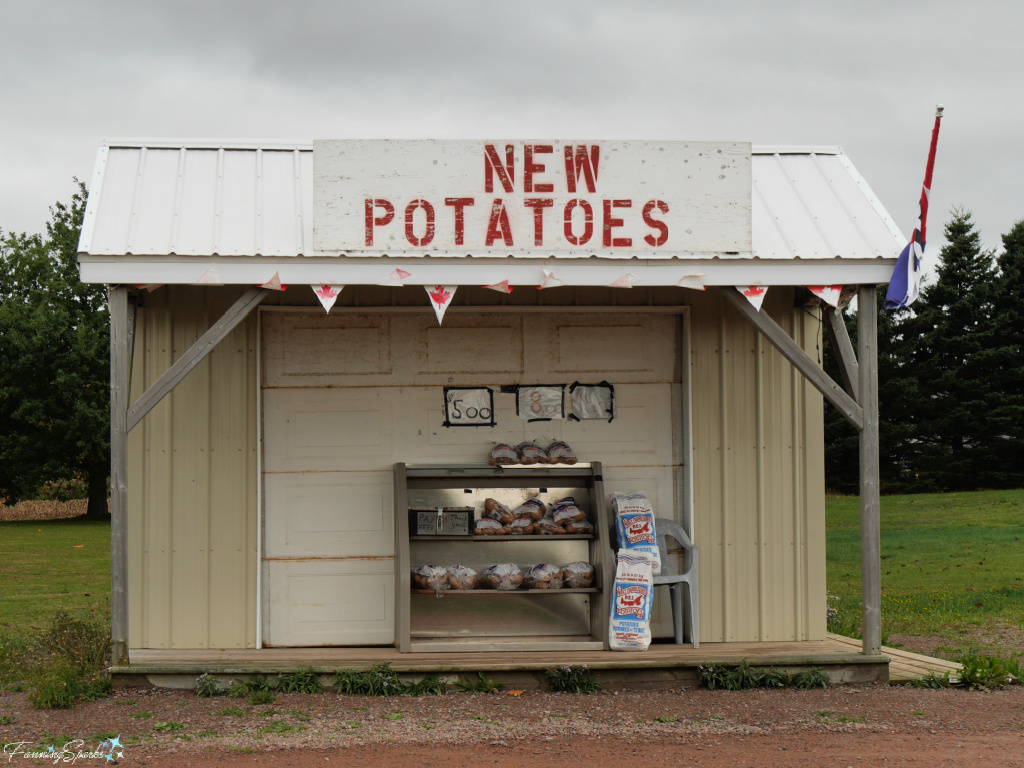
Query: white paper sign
(541, 403)
(592, 401)
(468, 407)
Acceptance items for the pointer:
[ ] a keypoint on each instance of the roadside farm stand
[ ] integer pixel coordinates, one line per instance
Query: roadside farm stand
(255, 437)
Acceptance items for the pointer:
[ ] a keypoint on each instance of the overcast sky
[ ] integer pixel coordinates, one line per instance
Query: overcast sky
(863, 75)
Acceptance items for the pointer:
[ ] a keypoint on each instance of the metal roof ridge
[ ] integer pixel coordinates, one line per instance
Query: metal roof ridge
(307, 145)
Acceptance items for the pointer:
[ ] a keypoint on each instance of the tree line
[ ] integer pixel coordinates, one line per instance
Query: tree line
(950, 376)
(54, 366)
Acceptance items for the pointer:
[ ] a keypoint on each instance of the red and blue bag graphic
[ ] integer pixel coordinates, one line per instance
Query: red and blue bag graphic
(634, 523)
(632, 593)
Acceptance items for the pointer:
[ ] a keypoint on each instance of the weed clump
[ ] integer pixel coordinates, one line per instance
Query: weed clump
(381, 680)
(572, 679)
(744, 677)
(981, 671)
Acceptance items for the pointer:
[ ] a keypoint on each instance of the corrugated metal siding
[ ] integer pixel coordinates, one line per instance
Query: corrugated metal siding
(192, 481)
(757, 469)
(205, 201)
(758, 475)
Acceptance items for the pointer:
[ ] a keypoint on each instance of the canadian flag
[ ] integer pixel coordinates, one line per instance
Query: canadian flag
(440, 297)
(502, 287)
(827, 293)
(754, 293)
(328, 294)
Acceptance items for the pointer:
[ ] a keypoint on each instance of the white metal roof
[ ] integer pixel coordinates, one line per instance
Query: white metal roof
(246, 205)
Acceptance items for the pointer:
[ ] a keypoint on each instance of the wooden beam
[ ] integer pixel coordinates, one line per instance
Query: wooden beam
(119, 363)
(192, 357)
(800, 359)
(870, 523)
(843, 348)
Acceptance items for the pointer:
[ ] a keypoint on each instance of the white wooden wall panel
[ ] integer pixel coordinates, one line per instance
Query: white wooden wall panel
(330, 602)
(346, 396)
(330, 514)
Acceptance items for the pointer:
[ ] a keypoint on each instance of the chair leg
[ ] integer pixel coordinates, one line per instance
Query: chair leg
(677, 611)
(694, 616)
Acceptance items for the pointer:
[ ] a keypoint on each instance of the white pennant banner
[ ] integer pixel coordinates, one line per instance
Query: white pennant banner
(502, 287)
(395, 278)
(440, 297)
(626, 281)
(692, 281)
(550, 279)
(754, 293)
(274, 283)
(209, 277)
(328, 294)
(827, 293)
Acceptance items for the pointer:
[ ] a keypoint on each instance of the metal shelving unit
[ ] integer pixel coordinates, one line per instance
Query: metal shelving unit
(493, 620)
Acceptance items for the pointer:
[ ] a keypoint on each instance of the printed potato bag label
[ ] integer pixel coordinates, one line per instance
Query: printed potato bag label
(632, 594)
(634, 521)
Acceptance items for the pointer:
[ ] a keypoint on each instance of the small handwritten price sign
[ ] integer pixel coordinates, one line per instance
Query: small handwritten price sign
(468, 407)
(541, 403)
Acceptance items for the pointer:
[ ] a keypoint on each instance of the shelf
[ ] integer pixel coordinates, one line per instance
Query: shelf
(508, 620)
(563, 591)
(497, 539)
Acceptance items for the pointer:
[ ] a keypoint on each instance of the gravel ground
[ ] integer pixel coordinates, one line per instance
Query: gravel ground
(873, 721)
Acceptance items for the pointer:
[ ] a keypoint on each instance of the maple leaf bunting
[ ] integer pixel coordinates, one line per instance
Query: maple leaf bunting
(754, 293)
(440, 298)
(328, 294)
(828, 293)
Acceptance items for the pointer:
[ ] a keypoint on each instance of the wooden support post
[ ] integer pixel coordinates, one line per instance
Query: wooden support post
(870, 522)
(119, 362)
(843, 348)
(236, 313)
(800, 359)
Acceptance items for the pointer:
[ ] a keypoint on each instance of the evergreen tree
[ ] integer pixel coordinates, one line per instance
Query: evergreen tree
(896, 388)
(1007, 360)
(54, 363)
(950, 339)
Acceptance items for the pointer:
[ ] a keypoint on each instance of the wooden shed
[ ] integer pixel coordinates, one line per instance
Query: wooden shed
(255, 436)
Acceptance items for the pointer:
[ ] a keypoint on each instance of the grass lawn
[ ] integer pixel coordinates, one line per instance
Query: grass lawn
(42, 570)
(952, 566)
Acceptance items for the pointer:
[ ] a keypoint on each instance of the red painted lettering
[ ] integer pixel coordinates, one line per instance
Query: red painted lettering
(538, 204)
(660, 226)
(458, 203)
(588, 222)
(611, 223)
(428, 235)
(499, 221)
(493, 164)
(530, 168)
(380, 221)
(580, 162)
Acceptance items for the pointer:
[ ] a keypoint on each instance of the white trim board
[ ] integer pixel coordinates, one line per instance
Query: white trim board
(342, 271)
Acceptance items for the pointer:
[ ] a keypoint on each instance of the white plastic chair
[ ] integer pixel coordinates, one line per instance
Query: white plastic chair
(669, 528)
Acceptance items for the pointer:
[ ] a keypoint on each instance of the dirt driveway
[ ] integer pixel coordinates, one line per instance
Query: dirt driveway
(842, 726)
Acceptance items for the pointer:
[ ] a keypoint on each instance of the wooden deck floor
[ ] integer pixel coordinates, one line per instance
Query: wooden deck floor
(841, 655)
(905, 665)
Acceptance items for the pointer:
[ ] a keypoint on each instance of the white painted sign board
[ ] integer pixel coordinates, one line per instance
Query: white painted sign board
(532, 198)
